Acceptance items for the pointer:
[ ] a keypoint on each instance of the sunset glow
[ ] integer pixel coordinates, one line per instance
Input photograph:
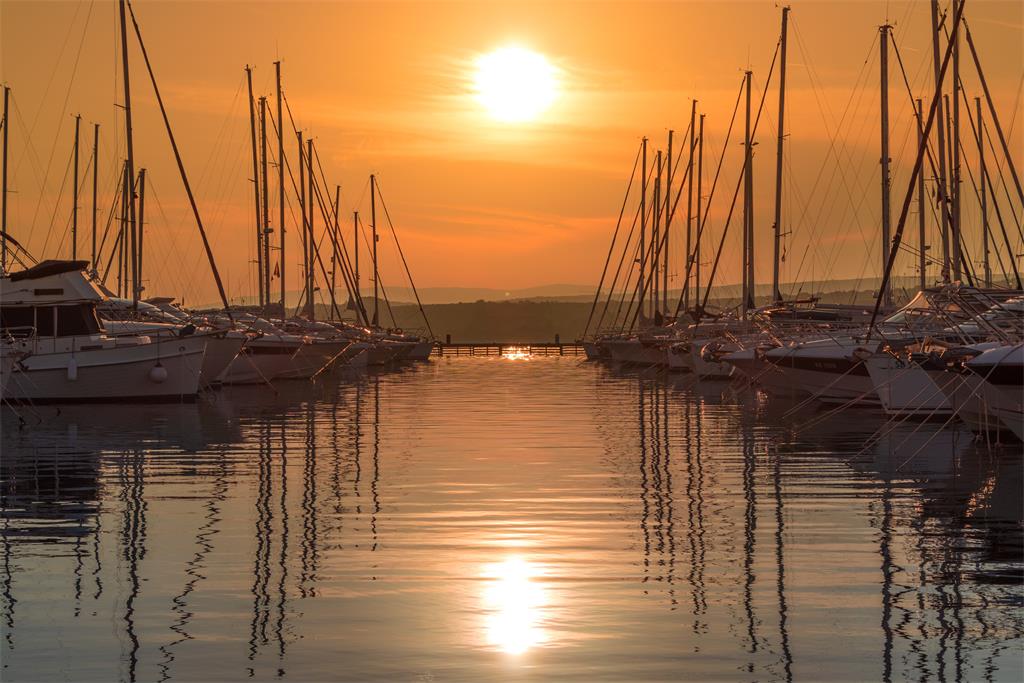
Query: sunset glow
(515, 84)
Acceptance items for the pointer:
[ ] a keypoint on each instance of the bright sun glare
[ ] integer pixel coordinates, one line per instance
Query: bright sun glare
(514, 599)
(515, 84)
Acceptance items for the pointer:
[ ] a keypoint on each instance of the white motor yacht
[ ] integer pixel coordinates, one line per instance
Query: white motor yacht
(50, 311)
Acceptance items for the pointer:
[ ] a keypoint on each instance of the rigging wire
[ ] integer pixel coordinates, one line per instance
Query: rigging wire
(611, 249)
(404, 263)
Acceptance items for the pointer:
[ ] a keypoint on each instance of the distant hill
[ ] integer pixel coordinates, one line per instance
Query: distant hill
(585, 293)
(540, 319)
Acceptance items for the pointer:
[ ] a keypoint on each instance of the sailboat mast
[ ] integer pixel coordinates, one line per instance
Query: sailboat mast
(3, 184)
(280, 184)
(748, 219)
(656, 236)
(668, 223)
(355, 249)
(940, 182)
(886, 181)
(373, 226)
(74, 194)
(777, 227)
(954, 171)
(123, 241)
(255, 187)
(311, 244)
(643, 226)
(922, 246)
(264, 195)
(129, 146)
(696, 246)
(984, 196)
(337, 234)
(689, 202)
(302, 212)
(142, 230)
(95, 185)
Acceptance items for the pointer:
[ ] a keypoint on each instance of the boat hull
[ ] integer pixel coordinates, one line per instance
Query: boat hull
(635, 352)
(260, 362)
(314, 357)
(111, 374)
(832, 379)
(906, 389)
(221, 351)
(421, 351)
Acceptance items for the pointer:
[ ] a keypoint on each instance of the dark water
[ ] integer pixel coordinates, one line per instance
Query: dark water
(530, 519)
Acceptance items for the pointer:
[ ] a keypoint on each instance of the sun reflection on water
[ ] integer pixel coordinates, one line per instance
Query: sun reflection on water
(516, 353)
(513, 600)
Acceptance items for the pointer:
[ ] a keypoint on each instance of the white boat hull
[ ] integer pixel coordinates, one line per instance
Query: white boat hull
(831, 379)
(119, 373)
(421, 351)
(221, 350)
(635, 352)
(313, 357)
(906, 389)
(259, 362)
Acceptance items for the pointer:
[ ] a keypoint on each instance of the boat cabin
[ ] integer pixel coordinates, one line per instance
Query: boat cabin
(51, 299)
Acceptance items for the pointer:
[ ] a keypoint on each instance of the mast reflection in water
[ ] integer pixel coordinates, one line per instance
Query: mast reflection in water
(476, 518)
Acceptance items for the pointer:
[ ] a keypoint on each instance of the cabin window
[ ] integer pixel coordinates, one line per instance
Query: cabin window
(18, 321)
(76, 320)
(45, 326)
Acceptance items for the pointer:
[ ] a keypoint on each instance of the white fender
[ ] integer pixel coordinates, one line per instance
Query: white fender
(72, 369)
(158, 373)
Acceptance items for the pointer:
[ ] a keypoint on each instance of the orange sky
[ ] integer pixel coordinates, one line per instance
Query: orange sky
(386, 88)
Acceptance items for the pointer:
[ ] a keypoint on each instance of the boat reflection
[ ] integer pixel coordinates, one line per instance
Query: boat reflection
(331, 524)
(514, 601)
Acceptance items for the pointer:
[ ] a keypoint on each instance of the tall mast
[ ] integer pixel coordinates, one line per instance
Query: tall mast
(95, 181)
(777, 227)
(643, 226)
(280, 185)
(696, 246)
(373, 226)
(3, 185)
(256, 188)
(337, 231)
(311, 244)
(137, 290)
(74, 195)
(355, 249)
(984, 196)
(689, 203)
(656, 236)
(922, 246)
(126, 191)
(954, 171)
(181, 165)
(886, 181)
(668, 224)
(264, 195)
(748, 206)
(940, 182)
(130, 169)
(948, 151)
(302, 212)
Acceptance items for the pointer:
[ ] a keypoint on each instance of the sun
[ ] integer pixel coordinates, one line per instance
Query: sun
(515, 84)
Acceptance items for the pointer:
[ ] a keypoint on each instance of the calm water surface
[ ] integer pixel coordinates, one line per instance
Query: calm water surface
(512, 519)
